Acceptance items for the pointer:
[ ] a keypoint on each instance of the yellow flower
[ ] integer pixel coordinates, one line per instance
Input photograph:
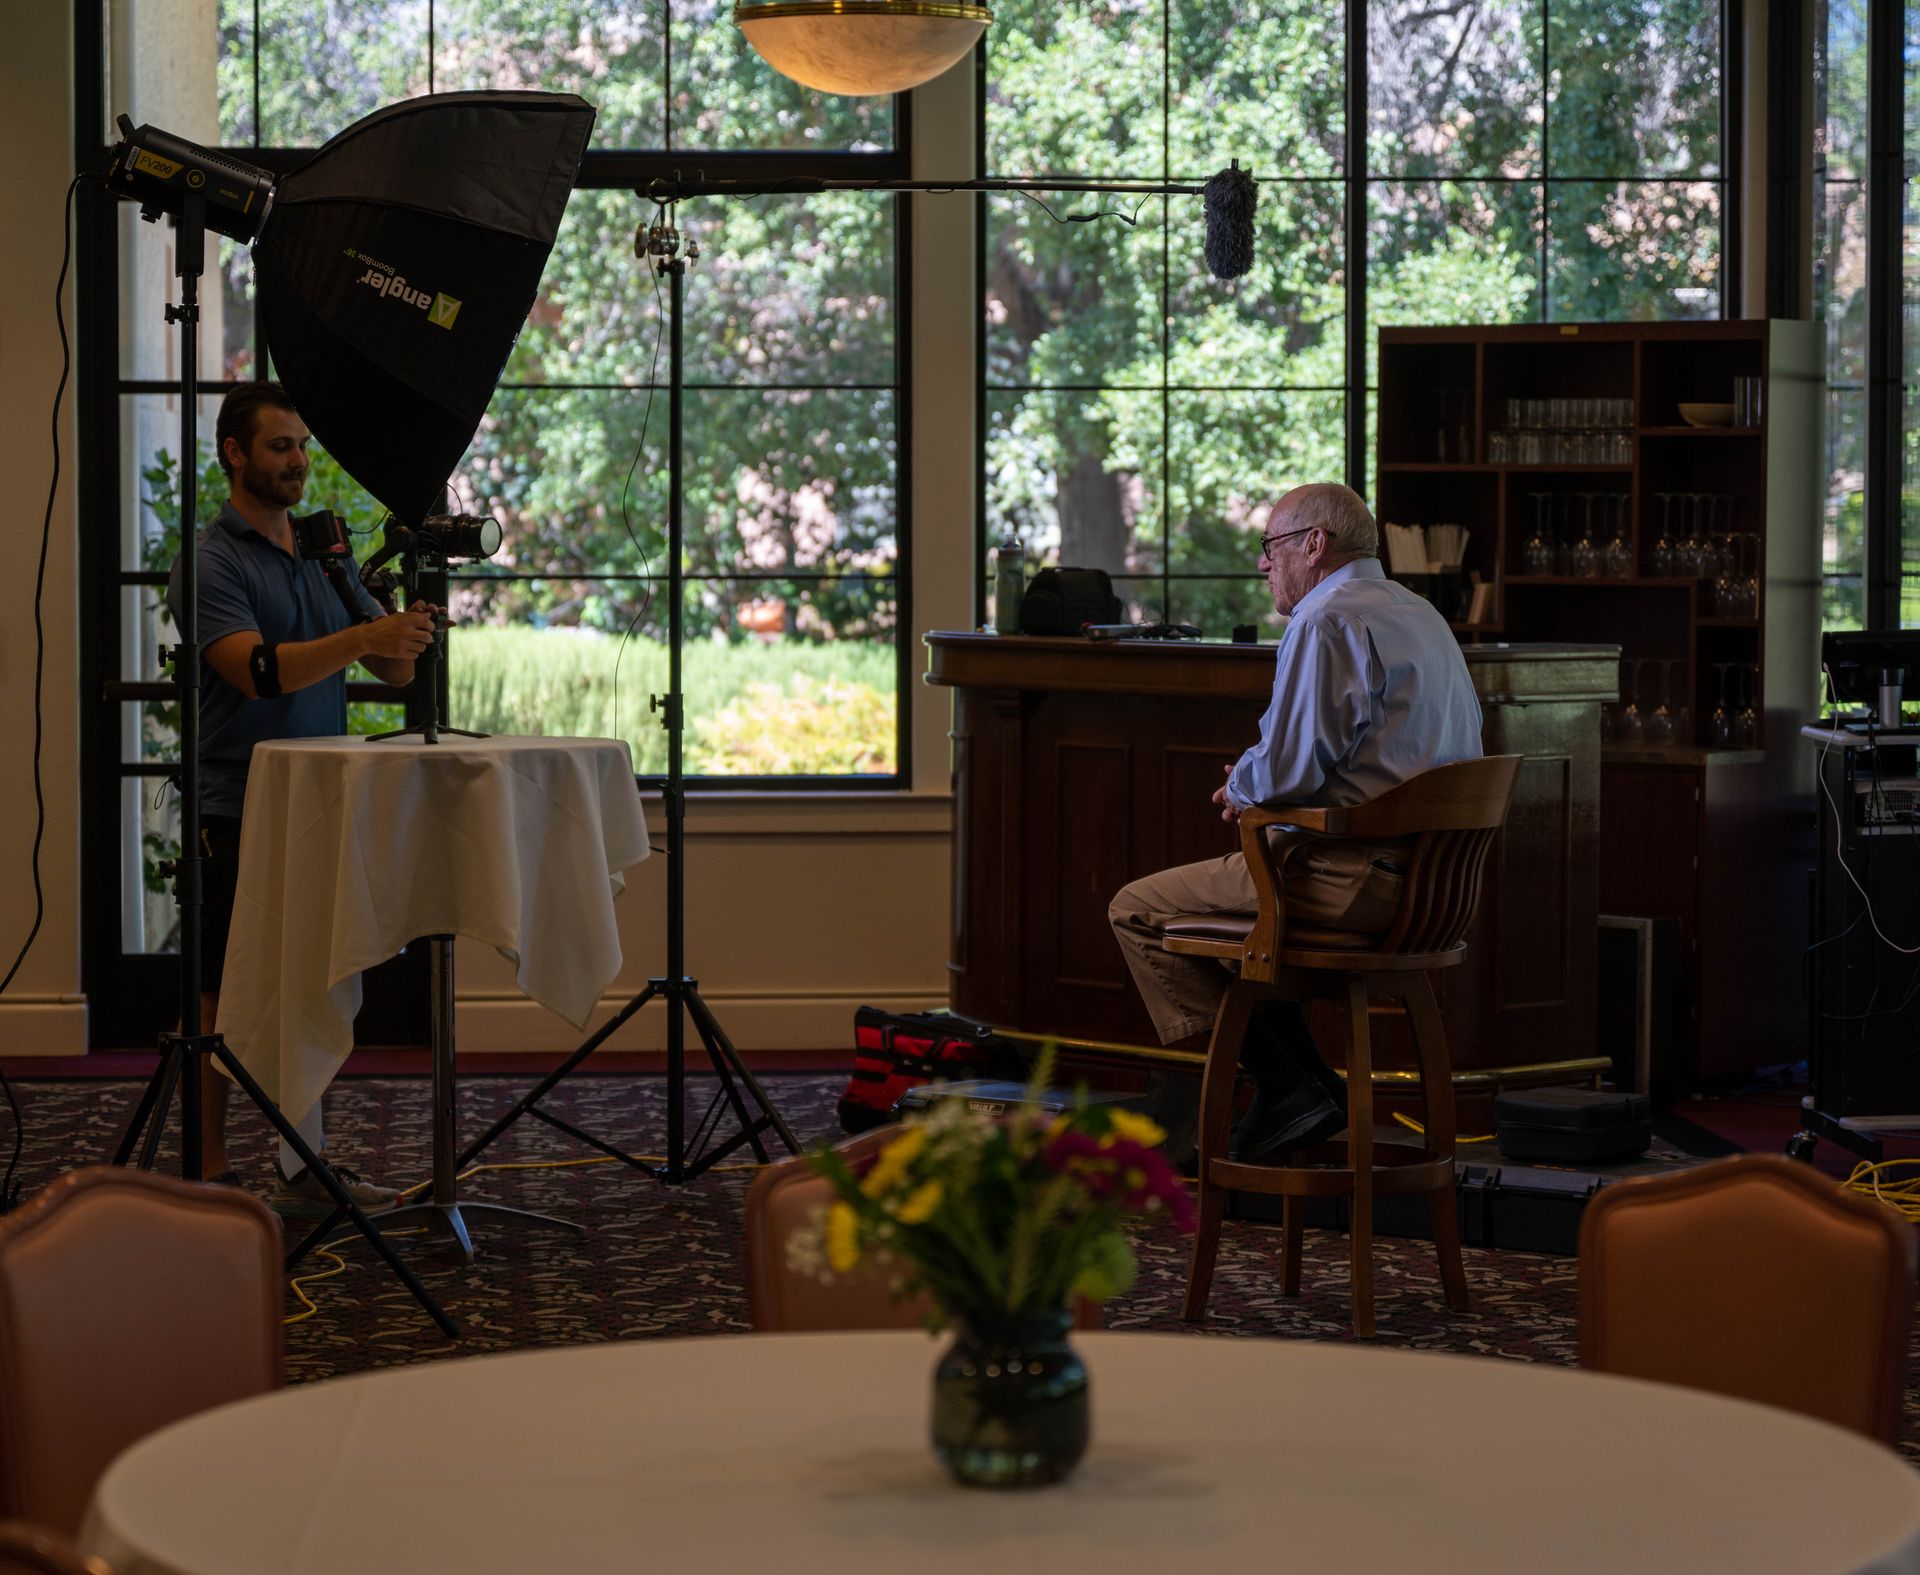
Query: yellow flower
(890, 1168)
(1137, 1129)
(843, 1238)
(920, 1204)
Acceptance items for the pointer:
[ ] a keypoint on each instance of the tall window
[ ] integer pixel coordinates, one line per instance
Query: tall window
(1866, 123)
(1840, 298)
(1520, 161)
(794, 376)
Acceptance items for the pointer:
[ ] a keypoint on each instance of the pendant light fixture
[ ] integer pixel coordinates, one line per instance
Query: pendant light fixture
(862, 48)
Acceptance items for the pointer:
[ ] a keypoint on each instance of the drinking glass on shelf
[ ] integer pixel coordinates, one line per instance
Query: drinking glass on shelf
(1619, 555)
(1720, 719)
(1631, 725)
(1727, 582)
(1746, 720)
(1586, 555)
(1749, 550)
(1539, 555)
(1658, 728)
(1663, 564)
(1694, 549)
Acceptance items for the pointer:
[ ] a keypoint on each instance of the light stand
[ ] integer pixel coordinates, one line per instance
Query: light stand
(1230, 220)
(680, 992)
(182, 1054)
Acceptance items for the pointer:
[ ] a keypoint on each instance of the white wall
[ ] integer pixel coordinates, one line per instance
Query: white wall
(801, 906)
(41, 1011)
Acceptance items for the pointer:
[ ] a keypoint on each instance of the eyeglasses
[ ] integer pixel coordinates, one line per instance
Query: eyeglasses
(1268, 543)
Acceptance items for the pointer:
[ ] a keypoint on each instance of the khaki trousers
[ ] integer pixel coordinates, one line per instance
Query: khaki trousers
(1330, 882)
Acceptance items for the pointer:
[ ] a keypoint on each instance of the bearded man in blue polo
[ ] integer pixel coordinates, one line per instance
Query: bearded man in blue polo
(276, 643)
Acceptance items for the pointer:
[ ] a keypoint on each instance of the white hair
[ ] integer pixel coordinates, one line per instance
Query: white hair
(1340, 512)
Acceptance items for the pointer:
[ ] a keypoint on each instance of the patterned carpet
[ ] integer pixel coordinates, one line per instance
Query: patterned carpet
(666, 1261)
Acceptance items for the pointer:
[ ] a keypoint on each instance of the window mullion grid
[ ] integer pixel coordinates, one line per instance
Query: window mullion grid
(1885, 198)
(1355, 227)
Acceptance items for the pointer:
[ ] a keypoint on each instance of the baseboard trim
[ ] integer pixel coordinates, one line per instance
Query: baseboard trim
(43, 1025)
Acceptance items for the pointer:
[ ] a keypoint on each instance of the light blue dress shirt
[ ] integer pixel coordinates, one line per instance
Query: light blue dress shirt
(1369, 689)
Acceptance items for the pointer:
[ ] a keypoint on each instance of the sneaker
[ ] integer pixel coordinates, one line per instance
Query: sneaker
(1299, 1119)
(303, 1197)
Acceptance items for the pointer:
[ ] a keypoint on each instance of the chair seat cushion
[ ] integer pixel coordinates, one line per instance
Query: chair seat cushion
(1236, 927)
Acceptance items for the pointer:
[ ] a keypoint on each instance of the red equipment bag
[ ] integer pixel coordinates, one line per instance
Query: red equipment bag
(895, 1051)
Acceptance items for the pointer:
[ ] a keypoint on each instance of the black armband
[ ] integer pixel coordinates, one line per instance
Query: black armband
(264, 664)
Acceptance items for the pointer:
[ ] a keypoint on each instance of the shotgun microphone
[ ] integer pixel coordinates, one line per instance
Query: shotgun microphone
(1230, 197)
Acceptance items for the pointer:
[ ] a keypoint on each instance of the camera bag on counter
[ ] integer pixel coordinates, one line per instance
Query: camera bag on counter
(896, 1051)
(1059, 601)
(1562, 1126)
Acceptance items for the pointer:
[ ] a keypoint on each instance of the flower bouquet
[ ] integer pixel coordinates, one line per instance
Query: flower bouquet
(1005, 1223)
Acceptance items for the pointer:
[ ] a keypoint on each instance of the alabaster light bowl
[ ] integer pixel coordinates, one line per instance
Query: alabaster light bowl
(1707, 415)
(861, 48)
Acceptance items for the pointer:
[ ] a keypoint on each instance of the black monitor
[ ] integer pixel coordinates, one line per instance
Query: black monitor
(1856, 663)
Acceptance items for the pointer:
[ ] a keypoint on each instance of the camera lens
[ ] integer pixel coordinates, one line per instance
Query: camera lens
(460, 535)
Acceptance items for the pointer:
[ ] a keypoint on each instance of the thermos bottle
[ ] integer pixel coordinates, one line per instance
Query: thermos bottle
(1009, 584)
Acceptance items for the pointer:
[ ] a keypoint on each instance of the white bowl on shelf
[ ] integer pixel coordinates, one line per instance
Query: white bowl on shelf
(1707, 415)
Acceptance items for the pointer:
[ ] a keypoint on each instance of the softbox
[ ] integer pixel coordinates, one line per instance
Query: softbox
(400, 263)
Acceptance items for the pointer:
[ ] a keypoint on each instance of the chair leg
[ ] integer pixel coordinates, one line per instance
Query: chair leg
(1360, 1151)
(1436, 1085)
(1293, 1221)
(1216, 1122)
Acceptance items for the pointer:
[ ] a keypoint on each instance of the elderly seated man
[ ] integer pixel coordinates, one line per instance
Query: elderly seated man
(1369, 689)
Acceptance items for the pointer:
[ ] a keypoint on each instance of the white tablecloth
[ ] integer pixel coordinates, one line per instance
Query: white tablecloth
(350, 849)
(808, 1453)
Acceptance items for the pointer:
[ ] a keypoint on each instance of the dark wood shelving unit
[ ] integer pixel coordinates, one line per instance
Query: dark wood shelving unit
(1718, 839)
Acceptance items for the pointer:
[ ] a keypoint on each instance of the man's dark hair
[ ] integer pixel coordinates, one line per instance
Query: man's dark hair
(240, 416)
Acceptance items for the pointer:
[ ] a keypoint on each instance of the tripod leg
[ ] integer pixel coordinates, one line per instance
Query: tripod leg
(150, 1145)
(708, 1029)
(547, 1083)
(154, 1099)
(318, 1167)
(710, 1026)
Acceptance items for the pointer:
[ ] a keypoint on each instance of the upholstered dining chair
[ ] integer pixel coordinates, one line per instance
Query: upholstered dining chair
(127, 1301)
(1755, 1276)
(1452, 814)
(27, 1549)
(782, 1199)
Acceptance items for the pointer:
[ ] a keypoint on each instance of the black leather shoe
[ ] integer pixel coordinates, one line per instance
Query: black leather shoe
(1300, 1119)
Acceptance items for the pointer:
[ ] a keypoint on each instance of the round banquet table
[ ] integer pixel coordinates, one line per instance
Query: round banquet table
(809, 1453)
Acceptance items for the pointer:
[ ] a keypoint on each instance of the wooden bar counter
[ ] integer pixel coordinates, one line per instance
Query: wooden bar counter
(1079, 766)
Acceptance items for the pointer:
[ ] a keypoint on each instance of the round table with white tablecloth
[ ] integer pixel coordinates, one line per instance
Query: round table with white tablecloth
(351, 848)
(809, 1453)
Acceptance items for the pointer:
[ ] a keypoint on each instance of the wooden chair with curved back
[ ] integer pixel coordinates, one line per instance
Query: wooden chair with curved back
(127, 1301)
(27, 1549)
(1758, 1277)
(1452, 814)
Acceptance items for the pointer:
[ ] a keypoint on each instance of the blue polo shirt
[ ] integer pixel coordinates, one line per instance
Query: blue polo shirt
(247, 583)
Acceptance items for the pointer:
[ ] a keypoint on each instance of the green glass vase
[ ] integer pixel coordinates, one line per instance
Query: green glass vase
(1010, 1401)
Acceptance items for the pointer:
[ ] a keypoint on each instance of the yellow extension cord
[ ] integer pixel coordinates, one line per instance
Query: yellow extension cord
(298, 1285)
(1406, 1120)
(1902, 1196)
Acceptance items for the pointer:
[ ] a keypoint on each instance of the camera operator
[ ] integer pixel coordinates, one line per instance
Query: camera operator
(276, 644)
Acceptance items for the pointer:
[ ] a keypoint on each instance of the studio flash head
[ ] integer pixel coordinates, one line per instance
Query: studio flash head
(160, 171)
(457, 536)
